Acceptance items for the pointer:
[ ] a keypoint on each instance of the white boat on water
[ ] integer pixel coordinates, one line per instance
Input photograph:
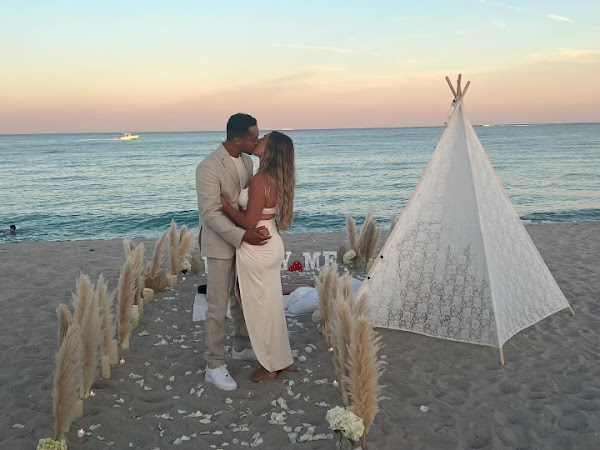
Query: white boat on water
(129, 137)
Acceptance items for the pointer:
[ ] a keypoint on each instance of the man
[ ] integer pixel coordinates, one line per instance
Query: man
(225, 172)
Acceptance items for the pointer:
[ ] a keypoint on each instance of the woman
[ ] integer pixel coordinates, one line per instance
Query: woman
(271, 193)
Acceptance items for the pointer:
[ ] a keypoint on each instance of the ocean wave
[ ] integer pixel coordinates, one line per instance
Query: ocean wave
(67, 227)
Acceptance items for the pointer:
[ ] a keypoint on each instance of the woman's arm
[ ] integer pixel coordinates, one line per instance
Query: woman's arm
(257, 200)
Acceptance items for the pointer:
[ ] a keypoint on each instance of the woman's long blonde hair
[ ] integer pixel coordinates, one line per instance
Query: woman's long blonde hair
(278, 164)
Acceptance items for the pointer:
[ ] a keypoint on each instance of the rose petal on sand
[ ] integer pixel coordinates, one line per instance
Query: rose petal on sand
(165, 416)
(172, 378)
(18, 426)
(143, 333)
(228, 401)
(94, 426)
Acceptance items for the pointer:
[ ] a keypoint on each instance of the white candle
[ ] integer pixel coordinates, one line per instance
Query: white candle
(78, 410)
(122, 361)
(114, 352)
(135, 317)
(148, 295)
(125, 345)
(335, 383)
(81, 433)
(105, 368)
(183, 278)
(330, 349)
(92, 394)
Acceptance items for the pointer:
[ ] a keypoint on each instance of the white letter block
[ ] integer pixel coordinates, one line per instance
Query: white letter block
(311, 262)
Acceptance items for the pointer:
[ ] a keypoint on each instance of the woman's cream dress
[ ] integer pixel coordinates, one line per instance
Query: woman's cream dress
(259, 276)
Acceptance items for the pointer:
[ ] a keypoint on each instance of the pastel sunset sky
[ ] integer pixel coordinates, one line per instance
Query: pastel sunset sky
(70, 66)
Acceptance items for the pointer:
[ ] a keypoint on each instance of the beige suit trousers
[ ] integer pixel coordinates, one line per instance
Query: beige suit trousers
(220, 290)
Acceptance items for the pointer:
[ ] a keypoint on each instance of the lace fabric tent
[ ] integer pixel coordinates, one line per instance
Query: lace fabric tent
(459, 263)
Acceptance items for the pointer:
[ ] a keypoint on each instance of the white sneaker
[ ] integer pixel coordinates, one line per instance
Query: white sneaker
(247, 354)
(220, 378)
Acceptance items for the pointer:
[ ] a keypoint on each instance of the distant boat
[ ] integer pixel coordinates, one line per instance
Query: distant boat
(485, 125)
(129, 137)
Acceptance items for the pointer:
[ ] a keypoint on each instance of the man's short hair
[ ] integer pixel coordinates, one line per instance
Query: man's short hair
(238, 124)
(13, 227)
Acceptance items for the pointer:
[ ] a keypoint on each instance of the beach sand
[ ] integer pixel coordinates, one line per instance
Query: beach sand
(546, 396)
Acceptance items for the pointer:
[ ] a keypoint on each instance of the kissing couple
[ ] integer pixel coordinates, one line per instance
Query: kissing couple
(240, 239)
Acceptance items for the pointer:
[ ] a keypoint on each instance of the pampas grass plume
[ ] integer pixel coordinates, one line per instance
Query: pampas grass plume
(351, 230)
(138, 269)
(186, 245)
(90, 338)
(364, 370)
(195, 265)
(126, 298)
(64, 321)
(343, 328)
(153, 267)
(326, 285)
(105, 302)
(82, 296)
(359, 307)
(173, 248)
(342, 250)
(67, 380)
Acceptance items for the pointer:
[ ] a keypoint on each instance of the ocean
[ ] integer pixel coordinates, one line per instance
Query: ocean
(60, 187)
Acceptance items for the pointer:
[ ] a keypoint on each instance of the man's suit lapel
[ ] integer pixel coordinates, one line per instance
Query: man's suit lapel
(228, 163)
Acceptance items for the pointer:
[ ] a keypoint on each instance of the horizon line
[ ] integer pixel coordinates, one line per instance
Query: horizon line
(299, 129)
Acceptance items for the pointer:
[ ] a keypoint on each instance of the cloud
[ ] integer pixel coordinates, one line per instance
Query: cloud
(561, 18)
(315, 47)
(570, 56)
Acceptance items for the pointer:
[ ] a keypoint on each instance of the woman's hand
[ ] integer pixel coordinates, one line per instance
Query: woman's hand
(224, 204)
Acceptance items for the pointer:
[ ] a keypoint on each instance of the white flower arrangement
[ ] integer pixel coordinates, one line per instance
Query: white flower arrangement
(316, 316)
(349, 256)
(345, 421)
(51, 444)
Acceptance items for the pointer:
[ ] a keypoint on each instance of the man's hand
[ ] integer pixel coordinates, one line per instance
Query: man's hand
(256, 236)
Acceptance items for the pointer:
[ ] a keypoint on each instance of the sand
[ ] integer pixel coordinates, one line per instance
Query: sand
(441, 394)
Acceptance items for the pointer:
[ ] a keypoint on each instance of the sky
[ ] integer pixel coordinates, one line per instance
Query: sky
(113, 66)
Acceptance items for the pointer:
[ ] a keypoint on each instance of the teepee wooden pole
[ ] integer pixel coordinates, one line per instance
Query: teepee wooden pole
(501, 356)
(571, 310)
(465, 90)
(458, 90)
(451, 87)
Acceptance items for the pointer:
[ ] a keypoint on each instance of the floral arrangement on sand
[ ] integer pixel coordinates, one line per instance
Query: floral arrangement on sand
(362, 245)
(344, 420)
(354, 346)
(51, 444)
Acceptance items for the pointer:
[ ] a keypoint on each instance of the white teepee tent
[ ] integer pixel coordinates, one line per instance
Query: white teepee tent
(459, 263)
